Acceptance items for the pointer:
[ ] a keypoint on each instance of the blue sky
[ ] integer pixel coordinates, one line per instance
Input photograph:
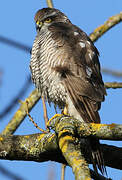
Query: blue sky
(17, 23)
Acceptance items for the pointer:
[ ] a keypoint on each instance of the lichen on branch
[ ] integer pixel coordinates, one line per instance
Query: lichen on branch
(99, 31)
(75, 126)
(45, 147)
(113, 85)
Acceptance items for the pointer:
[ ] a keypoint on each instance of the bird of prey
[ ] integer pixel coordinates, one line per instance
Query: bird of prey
(66, 70)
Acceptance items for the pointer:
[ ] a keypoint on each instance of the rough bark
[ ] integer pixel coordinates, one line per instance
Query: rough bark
(44, 147)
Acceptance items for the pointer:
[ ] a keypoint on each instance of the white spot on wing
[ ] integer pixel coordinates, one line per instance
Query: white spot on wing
(3, 153)
(90, 55)
(82, 44)
(76, 33)
(88, 71)
(88, 42)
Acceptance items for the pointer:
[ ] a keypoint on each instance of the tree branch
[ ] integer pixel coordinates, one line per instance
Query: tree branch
(50, 3)
(15, 44)
(112, 21)
(16, 98)
(70, 131)
(44, 147)
(113, 85)
(21, 113)
(72, 152)
(9, 174)
(100, 131)
(112, 72)
(68, 135)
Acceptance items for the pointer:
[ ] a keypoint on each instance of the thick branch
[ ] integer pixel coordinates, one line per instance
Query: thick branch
(100, 131)
(44, 147)
(112, 21)
(70, 131)
(73, 153)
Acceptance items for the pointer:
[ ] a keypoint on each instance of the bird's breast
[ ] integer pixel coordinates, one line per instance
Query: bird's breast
(45, 57)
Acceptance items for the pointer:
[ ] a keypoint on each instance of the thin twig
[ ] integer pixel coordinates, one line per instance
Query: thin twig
(63, 167)
(14, 102)
(15, 44)
(21, 113)
(51, 171)
(10, 175)
(113, 85)
(50, 3)
(112, 72)
(112, 21)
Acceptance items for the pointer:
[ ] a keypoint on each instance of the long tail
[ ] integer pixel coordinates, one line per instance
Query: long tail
(97, 156)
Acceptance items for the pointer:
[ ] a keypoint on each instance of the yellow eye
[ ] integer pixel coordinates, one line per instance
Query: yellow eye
(48, 20)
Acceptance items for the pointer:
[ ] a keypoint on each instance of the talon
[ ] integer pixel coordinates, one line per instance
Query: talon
(51, 119)
(44, 131)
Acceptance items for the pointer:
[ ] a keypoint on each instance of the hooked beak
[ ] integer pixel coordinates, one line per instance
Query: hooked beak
(38, 25)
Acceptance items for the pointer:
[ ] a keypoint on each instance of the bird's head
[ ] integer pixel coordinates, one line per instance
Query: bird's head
(47, 16)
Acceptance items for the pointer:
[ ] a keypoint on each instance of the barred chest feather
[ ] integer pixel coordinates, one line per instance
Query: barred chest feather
(44, 59)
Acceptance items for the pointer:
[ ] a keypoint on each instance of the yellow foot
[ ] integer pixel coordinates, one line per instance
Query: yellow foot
(55, 116)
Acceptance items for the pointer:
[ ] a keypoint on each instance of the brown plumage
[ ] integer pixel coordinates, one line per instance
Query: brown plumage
(65, 68)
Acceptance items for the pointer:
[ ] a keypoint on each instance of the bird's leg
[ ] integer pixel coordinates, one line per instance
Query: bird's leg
(64, 112)
(31, 119)
(52, 118)
(45, 112)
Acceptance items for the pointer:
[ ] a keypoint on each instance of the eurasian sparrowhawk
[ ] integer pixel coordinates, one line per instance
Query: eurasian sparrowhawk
(66, 70)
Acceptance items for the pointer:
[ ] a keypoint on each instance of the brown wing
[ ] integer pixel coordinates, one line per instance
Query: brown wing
(80, 70)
